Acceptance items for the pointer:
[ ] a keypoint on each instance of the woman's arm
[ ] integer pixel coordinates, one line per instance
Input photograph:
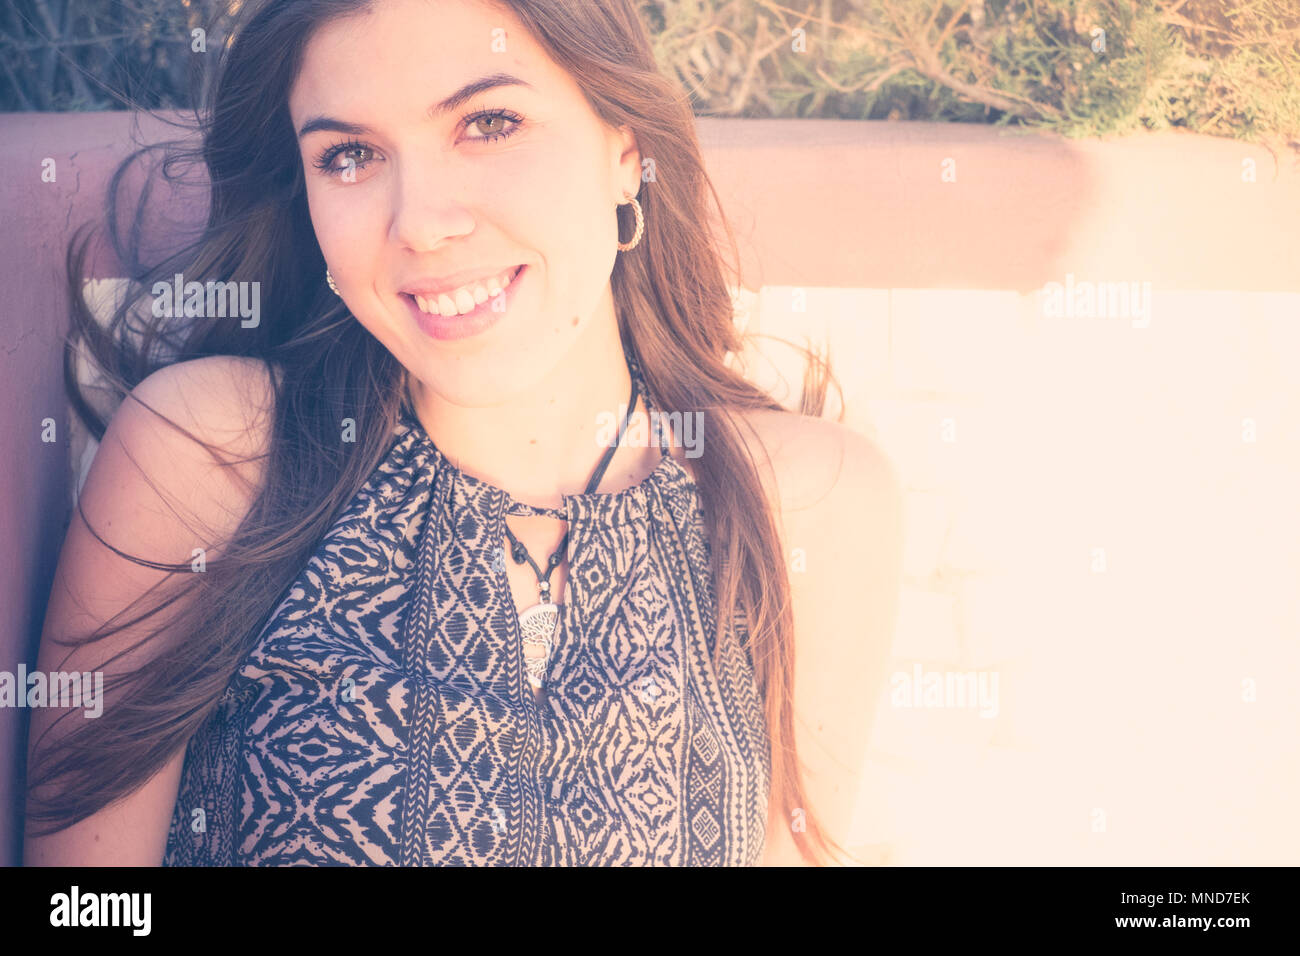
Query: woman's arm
(153, 493)
(841, 525)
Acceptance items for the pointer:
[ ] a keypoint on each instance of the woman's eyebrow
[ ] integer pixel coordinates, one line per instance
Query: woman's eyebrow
(462, 95)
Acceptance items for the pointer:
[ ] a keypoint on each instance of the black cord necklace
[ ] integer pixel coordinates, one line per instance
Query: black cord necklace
(538, 624)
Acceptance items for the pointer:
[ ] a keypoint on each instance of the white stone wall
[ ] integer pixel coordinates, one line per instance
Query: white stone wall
(1103, 513)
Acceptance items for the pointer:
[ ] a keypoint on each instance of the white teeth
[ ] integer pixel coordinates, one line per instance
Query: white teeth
(466, 298)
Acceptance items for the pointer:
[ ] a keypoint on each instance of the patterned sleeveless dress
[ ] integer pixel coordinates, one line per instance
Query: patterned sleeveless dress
(384, 717)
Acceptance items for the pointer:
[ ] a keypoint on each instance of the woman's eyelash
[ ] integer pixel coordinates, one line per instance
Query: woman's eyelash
(503, 114)
(325, 162)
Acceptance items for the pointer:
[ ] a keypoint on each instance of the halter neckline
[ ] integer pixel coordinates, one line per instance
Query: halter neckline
(662, 471)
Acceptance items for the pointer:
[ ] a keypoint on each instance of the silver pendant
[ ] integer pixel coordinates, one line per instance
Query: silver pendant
(537, 627)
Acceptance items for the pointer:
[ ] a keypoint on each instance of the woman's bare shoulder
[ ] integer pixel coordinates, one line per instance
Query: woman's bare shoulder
(153, 495)
(218, 386)
(811, 465)
(225, 401)
(225, 398)
(841, 522)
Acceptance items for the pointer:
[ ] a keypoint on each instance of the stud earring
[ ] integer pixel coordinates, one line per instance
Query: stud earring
(329, 279)
(640, 225)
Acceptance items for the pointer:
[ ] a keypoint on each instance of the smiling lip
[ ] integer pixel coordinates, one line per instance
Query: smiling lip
(432, 289)
(479, 319)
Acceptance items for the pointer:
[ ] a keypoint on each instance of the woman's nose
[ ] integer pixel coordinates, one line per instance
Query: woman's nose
(428, 207)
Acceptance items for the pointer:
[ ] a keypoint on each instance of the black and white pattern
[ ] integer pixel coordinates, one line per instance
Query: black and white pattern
(384, 716)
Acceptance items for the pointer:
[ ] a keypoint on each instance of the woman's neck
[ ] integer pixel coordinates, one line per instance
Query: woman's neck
(543, 442)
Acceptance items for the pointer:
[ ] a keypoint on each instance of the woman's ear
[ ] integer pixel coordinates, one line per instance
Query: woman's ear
(629, 164)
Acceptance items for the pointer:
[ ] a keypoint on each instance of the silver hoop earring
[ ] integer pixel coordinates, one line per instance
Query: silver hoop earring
(640, 225)
(329, 279)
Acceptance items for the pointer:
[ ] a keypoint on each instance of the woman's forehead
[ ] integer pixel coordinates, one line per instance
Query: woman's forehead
(403, 52)
(401, 34)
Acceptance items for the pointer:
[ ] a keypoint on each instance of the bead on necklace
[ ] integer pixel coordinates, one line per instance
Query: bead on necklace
(538, 624)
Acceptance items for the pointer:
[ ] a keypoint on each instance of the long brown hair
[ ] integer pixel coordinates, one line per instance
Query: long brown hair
(675, 314)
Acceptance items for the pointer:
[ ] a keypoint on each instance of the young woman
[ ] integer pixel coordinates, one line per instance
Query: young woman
(419, 605)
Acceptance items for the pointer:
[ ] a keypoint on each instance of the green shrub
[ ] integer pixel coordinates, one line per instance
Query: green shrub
(1228, 68)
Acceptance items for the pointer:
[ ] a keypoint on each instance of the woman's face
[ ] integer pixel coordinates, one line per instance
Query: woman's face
(403, 196)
